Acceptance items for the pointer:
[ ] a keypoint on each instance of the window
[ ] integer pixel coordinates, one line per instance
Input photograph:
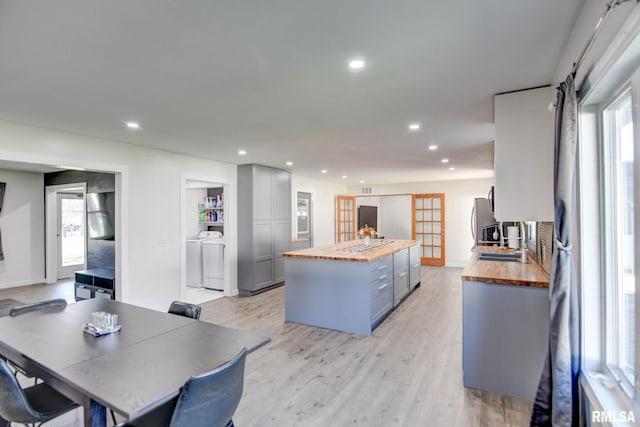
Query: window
(618, 239)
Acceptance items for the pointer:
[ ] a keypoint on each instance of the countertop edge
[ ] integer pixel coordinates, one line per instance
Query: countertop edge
(386, 250)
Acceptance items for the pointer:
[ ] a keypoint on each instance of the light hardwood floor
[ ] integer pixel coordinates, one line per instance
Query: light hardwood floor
(408, 373)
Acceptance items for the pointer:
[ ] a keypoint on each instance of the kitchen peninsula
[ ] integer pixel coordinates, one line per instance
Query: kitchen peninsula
(505, 322)
(349, 286)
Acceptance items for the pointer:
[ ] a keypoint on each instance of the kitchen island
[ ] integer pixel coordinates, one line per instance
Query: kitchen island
(505, 309)
(349, 286)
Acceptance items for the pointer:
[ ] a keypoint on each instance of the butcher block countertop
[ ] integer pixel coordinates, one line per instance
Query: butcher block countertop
(341, 252)
(504, 272)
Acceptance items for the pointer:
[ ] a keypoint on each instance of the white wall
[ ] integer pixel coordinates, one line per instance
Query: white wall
(394, 214)
(458, 200)
(581, 32)
(324, 206)
(22, 226)
(150, 250)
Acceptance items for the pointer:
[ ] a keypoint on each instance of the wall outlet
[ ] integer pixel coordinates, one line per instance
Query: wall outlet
(163, 238)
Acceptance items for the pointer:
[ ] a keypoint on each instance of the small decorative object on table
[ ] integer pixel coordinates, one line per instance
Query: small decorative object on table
(366, 233)
(102, 324)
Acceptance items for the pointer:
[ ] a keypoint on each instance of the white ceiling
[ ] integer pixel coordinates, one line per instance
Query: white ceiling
(210, 77)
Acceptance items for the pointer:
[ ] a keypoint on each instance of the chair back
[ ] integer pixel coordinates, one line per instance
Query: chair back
(13, 402)
(17, 310)
(210, 399)
(185, 309)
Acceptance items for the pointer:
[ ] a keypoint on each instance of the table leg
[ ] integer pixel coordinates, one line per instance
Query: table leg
(98, 417)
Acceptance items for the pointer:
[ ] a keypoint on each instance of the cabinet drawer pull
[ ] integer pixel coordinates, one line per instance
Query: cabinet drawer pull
(384, 276)
(382, 267)
(416, 265)
(380, 288)
(403, 274)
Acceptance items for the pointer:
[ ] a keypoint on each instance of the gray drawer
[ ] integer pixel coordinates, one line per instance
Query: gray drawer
(383, 265)
(381, 299)
(401, 260)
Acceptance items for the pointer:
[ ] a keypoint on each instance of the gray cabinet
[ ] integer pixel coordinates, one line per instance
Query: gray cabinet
(400, 275)
(264, 226)
(381, 280)
(414, 266)
(95, 283)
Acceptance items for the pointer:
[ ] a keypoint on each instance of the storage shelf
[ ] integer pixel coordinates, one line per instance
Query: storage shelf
(212, 222)
(217, 208)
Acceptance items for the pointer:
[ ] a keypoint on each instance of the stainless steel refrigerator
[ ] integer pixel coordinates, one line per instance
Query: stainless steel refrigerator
(484, 227)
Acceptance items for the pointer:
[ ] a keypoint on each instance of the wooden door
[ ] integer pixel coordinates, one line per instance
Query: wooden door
(428, 227)
(345, 218)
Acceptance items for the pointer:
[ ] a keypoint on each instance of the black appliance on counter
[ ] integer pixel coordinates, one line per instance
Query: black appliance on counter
(484, 227)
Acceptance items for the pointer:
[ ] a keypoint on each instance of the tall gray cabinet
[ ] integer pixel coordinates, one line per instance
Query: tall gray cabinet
(264, 226)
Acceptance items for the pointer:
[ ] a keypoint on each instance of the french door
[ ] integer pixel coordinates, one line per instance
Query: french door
(70, 234)
(428, 227)
(345, 218)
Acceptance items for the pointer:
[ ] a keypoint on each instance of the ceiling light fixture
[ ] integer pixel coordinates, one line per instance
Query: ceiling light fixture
(289, 163)
(323, 171)
(133, 125)
(356, 64)
(362, 181)
(433, 147)
(452, 168)
(344, 176)
(445, 160)
(414, 127)
(242, 152)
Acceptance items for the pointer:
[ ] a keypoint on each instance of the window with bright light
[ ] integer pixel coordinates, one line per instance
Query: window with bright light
(618, 239)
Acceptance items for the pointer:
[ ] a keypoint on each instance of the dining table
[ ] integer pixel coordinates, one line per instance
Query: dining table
(131, 371)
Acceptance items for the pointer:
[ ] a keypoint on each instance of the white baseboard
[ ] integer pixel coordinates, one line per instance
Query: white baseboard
(17, 283)
(456, 264)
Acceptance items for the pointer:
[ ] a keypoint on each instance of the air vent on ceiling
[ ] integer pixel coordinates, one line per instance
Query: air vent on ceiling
(366, 190)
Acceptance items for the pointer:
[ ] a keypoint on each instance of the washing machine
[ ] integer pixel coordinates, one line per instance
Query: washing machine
(213, 262)
(195, 276)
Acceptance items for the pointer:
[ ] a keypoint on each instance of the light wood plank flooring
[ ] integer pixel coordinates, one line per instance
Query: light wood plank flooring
(408, 373)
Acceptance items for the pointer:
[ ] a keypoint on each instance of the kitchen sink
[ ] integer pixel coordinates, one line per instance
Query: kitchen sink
(490, 256)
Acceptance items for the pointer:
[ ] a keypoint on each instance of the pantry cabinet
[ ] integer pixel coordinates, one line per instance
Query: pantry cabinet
(264, 226)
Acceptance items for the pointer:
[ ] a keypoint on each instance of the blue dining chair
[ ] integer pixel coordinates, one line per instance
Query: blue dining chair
(206, 400)
(185, 309)
(33, 405)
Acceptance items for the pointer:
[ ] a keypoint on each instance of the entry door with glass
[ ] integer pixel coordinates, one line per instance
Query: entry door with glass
(345, 218)
(70, 234)
(428, 227)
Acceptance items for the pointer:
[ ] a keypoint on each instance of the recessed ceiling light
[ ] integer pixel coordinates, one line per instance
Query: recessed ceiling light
(344, 176)
(323, 171)
(289, 163)
(242, 152)
(356, 64)
(433, 147)
(362, 181)
(452, 168)
(445, 160)
(132, 125)
(414, 126)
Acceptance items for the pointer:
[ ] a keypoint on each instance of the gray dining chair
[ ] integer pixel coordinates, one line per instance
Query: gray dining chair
(17, 310)
(206, 400)
(185, 309)
(33, 405)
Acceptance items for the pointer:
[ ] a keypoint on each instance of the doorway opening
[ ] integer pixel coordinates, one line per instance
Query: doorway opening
(206, 260)
(65, 230)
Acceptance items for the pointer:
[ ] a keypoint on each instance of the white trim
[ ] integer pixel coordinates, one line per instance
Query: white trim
(188, 181)
(51, 227)
(36, 281)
